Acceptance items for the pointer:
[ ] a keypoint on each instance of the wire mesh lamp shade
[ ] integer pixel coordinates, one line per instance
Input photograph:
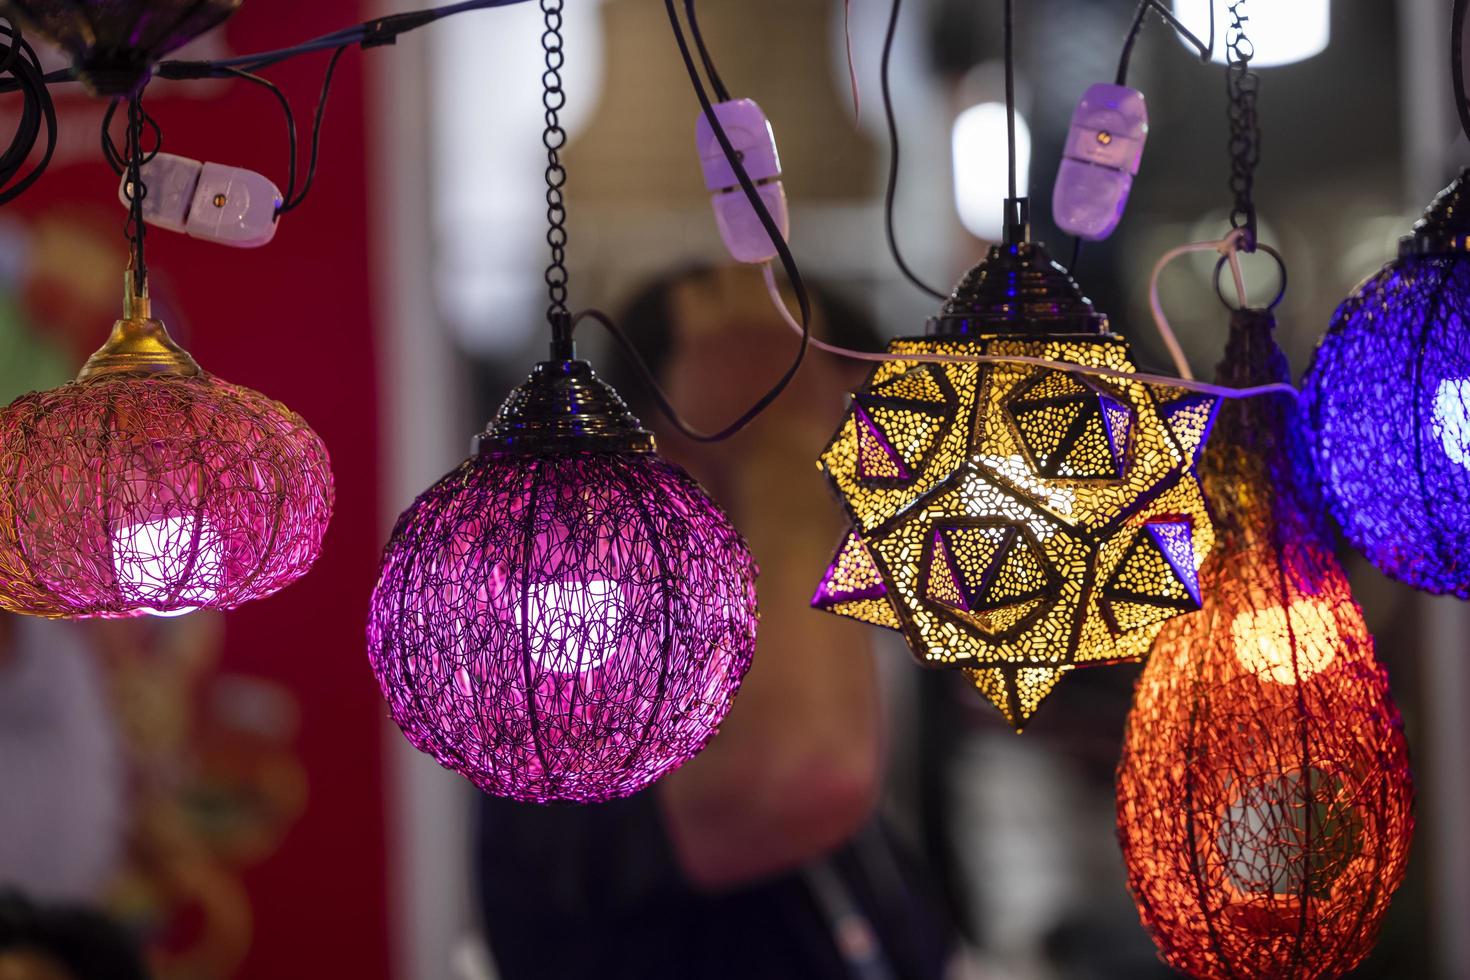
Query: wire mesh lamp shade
(1388, 402)
(1264, 796)
(1017, 521)
(148, 486)
(566, 616)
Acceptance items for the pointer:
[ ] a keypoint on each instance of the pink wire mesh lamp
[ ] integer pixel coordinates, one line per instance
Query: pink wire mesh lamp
(566, 615)
(149, 486)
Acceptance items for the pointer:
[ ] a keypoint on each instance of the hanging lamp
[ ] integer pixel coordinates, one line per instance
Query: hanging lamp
(1012, 520)
(1016, 520)
(149, 486)
(1388, 394)
(566, 616)
(1388, 403)
(1264, 795)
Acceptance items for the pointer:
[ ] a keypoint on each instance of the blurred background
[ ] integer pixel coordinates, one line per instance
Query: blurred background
(230, 789)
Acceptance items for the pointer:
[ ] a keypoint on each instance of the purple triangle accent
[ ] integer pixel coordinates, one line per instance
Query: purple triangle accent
(1118, 423)
(1175, 540)
(941, 553)
(827, 596)
(1190, 401)
(874, 433)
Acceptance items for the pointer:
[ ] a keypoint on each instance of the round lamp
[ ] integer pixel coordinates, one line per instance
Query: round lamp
(1264, 795)
(1388, 404)
(566, 615)
(150, 486)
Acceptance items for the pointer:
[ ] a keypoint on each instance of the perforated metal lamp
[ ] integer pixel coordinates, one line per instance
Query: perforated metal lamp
(1387, 399)
(1264, 794)
(566, 615)
(149, 486)
(1016, 521)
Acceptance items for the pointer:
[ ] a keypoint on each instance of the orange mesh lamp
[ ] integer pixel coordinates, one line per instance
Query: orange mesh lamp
(1017, 521)
(1264, 794)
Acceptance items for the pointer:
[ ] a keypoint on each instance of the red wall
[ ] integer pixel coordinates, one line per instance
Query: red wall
(292, 320)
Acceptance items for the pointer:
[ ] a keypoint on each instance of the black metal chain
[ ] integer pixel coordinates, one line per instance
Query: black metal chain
(1241, 87)
(554, 98)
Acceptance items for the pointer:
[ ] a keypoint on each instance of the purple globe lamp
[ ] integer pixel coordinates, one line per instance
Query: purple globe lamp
(566, 616)
(1388, 404)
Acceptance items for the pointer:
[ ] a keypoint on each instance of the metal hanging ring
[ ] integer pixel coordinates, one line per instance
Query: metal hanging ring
(1280, 265)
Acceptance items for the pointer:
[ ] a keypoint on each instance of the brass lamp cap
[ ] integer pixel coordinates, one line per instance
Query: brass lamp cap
(139, 344)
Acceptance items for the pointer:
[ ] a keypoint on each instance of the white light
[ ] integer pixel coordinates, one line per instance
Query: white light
(161, 561)
(1452, 418)
(1284, 645)
(1281, 31)
(981, 183)
(575, 626)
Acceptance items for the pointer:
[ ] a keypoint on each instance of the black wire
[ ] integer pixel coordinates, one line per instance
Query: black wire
(136, 190)
(1457, 64)
(20, 71)
(1009, 30)
(718, 84)
(1206, 51)
(38, 111)
(118, 158)
(893, 156)
(285, 104)
(115, 158)
(1139, 17)
(316, 134)
(788, 262)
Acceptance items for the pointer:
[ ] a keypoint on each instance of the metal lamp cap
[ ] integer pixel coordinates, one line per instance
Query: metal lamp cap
(139, 344)
(1445, 227)
(563, 407)
(1017, 289)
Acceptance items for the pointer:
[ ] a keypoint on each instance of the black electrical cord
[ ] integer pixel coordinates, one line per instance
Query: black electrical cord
(136, 191)
(788, 262)
(716, 83)
(1457, 64)
(1008, 30)
(891, 192)
(118, 158)
(1206, 51)
(37, 112)
(20, 71)
(290, 115)
(316, 134)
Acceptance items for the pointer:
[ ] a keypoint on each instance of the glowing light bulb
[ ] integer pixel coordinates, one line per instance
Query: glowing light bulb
(574, 625)
(1266, 638)
(1281, 33)
(1451, 420)
(1289, 832)
(165, 562)
(981, 182)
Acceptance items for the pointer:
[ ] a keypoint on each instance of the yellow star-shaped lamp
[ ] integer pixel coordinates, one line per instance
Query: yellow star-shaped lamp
(1014, 520)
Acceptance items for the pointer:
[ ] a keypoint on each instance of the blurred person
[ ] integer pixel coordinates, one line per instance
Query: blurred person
(765, 856)
(62, 794)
